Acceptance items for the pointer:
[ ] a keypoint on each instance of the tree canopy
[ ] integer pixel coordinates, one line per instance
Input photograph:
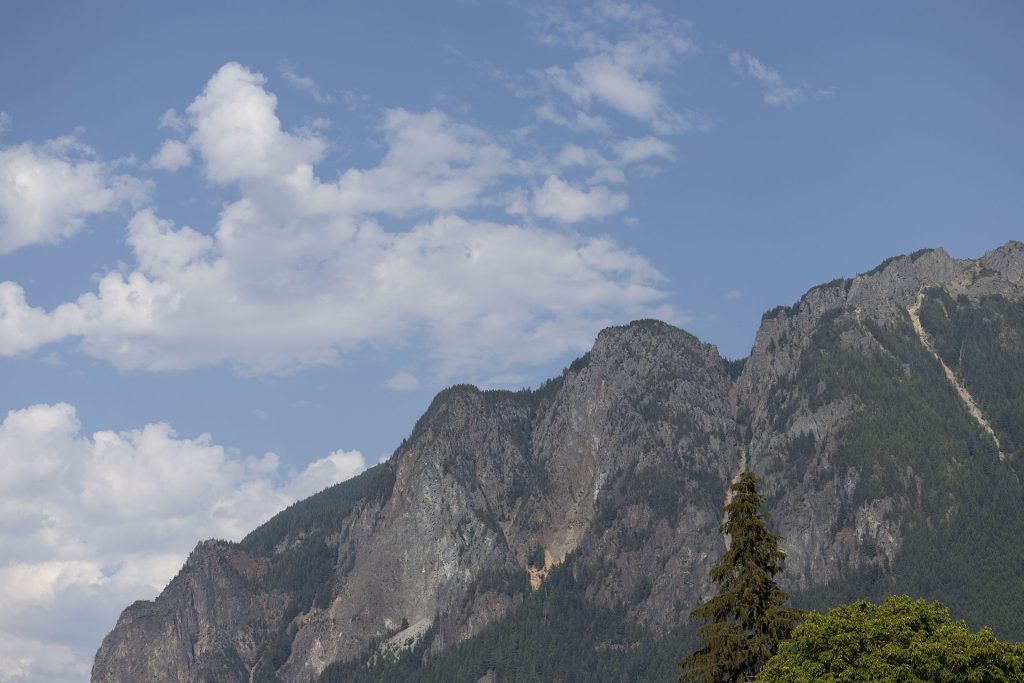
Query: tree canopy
(905, 640)
(745, 622)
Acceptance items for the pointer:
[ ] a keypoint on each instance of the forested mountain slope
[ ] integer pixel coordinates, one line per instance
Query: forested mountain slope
(566, 532)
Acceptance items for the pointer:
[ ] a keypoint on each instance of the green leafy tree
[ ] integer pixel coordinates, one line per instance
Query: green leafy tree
(900, 640)
(745, 622)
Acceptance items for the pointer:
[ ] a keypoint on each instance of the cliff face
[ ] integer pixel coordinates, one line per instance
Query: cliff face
(851, 415)
(617, 470)
(205, 626)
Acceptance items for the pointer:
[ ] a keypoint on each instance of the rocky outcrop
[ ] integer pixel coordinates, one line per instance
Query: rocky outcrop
(796, 430)
(620, 465)
(208, 624)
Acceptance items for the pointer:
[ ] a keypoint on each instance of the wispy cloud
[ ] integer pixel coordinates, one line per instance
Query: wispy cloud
(304, 83)
(403, 380)
(618, 72)
(776, 91)
(582, 122)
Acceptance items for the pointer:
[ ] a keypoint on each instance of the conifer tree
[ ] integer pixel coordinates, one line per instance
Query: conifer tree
(745, 622)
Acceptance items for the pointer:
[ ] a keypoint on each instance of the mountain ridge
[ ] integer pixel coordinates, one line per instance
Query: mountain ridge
(615, 471)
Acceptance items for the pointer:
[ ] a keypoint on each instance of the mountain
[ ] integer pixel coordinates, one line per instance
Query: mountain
(565, 533)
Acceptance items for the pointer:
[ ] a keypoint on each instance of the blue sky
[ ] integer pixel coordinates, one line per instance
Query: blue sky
(231, 229)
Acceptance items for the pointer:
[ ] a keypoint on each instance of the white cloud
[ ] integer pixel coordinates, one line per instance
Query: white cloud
(627, 151)
(776, 92)
(618, 73)
(6, 121)
(607, 175)
(567, 203)
(91, 523)
(338, 466)
(22, 659)
(172, 120)
(172, 155)
(432, 164)
(472, 294)
(304, 83)
(734, 294)
(581, 123)
(636, 150)
(403, 380)
(238, 134)
(575, 155)
(47, 191)
(24, 328)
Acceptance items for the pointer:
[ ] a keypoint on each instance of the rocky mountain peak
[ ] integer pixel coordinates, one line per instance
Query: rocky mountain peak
(853, 407)
(1006, 261)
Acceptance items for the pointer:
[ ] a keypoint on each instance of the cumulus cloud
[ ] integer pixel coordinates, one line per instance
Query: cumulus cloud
(47, 191)
(32, 660)
(776, 91)
(238, 134)
(567, 203)
(338, 466)
(618, 73)
(90, 523)
(6, 120)
(432, 164)
(172, 155)
(294, 247)
(172, 120)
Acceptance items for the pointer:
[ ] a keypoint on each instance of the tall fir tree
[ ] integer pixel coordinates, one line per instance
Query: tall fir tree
(745, 622)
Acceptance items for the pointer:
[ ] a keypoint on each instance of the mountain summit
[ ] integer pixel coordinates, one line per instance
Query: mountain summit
(883, 414)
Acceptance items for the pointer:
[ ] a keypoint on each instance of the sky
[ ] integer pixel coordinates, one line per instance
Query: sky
(242, 245)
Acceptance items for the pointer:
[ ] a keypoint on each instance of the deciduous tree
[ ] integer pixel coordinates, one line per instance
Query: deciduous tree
(900, 640)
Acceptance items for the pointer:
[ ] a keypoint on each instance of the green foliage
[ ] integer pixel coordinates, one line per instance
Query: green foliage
(899, 640)
(747, 619)
(983, 343)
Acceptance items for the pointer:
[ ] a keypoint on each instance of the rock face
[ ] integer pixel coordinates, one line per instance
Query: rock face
(620, 467)
(205, 625)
